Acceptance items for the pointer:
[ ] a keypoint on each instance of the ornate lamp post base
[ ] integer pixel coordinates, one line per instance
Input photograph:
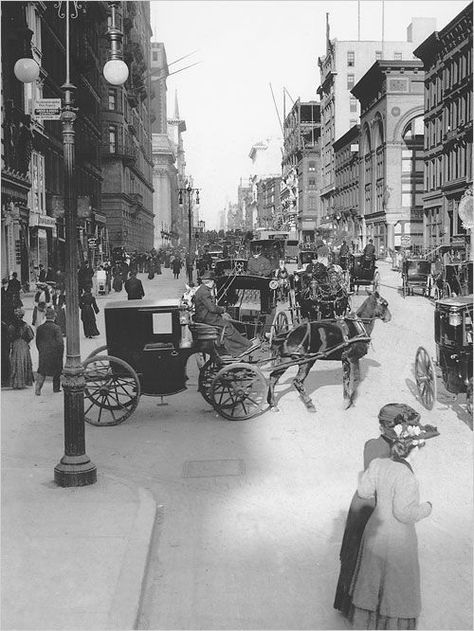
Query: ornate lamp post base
(75, 471)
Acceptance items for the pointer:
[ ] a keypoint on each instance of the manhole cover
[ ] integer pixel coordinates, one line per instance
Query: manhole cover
(212, 468)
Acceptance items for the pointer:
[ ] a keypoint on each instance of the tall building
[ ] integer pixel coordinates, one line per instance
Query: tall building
(176, 128)
(343, 65)
(244, 199)
(127, 190)
(33, 229)
(266, 156)
(165, 173)
(301, 170)
(447, 59)
(391, 153)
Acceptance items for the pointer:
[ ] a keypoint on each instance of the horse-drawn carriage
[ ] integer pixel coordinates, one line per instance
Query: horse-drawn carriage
(453, 337)
(363, 271)
(150, 342)
(223, 267)
(416, 272)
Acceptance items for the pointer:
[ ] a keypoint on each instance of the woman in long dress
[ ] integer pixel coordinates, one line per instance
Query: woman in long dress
(385, 589)
(361, 509)
(118, 280)
(89, 308)
(21, 365)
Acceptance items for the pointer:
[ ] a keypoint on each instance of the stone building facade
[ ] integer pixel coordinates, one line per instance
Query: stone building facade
(343, 65)
(447, 60)
(391, 154)
(127, 190)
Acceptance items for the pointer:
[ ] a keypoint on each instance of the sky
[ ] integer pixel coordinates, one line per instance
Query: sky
(242, 47)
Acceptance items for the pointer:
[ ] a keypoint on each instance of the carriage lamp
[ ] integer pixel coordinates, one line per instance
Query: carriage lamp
(455, 318)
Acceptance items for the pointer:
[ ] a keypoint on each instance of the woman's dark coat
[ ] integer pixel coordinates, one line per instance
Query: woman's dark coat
(50, 345)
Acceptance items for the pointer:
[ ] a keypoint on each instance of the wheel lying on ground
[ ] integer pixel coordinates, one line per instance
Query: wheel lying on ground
(112, 390)
(239, 391)
(279, 325)
(206, 376)
(425, 376)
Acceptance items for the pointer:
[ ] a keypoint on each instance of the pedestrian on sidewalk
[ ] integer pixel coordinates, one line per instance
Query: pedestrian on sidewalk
(50, 345)
(385, 589)
(88, 307)
(6, 369)
(118, 280)
(20, 335)
(60, 310)
(134, 287)
(361, 509)
(7, 303)
(42, 301)
(176, 266)
(14, 289)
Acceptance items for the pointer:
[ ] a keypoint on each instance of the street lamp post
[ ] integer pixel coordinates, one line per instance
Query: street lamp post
(75, 467)
(189, 192)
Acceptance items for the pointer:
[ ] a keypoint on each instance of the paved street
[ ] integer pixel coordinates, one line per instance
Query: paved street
(252, 513)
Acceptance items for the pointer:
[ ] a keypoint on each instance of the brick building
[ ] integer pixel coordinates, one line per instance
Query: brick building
(346, 197)
(447, 60)
(301, 169)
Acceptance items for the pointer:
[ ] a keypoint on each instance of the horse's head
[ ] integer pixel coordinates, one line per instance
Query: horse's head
(375, 307)
(313, 289)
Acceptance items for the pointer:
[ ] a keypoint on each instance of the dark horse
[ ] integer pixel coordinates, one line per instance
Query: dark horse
(322, 336)
(321, 299)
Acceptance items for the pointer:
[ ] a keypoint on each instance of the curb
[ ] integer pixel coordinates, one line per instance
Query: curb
(126, 600)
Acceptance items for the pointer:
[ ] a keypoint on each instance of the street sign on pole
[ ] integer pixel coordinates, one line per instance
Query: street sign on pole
(47, 109)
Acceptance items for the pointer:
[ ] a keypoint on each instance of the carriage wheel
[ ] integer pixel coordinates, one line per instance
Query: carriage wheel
(279, 325)
(239, 391)
(112, 390)
(206, 377)
(376, 281)
(98, 351)
(425, 376)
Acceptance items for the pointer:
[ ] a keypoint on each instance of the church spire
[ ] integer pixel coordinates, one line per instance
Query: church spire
(176, 107)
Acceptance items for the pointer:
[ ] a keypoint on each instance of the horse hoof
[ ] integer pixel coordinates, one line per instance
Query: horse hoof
(274, 409)
(310, 407)
(348, 403)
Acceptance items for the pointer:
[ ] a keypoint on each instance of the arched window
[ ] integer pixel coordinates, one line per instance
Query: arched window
(413, 165)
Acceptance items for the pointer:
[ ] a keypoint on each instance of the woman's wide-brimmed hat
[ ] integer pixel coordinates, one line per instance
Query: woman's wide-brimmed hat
(208, 275)
(394, 413)
(400, 422)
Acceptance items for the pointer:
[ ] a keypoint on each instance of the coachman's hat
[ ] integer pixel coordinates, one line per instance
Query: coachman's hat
(208, 275)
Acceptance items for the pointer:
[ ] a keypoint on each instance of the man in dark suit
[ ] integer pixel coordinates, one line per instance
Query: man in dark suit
(259, 265)
(50, 344)
(208, 311)
(133, 287)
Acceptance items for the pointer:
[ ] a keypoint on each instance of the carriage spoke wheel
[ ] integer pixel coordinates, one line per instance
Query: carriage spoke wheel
(98, 351)
(425, 376)
(279, 326)
(239, 392)
(112, 390)
(206, 376)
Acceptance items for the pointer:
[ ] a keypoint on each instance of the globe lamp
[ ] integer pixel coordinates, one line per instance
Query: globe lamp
(26, 70)
(116, 72)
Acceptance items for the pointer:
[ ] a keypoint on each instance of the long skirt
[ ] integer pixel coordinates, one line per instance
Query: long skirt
(365, 619)
(357, 518)
(6, 370)
(61, 319)
(21, 365)
(88, 321)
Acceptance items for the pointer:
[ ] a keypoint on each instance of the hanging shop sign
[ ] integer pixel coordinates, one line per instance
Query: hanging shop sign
(47, 109)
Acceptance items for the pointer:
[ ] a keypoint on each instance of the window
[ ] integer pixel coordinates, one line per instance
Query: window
(37, 194)
(353, 104)
(312, 182)
(112, 139)
(378, 54)
(350, 81)
(397, 55)
(350, 57)
(112, 100)
(311, 166)
(352, 122)
(155, 55)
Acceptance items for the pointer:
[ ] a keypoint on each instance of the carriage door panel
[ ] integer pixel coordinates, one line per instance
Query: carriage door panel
(164, 370)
